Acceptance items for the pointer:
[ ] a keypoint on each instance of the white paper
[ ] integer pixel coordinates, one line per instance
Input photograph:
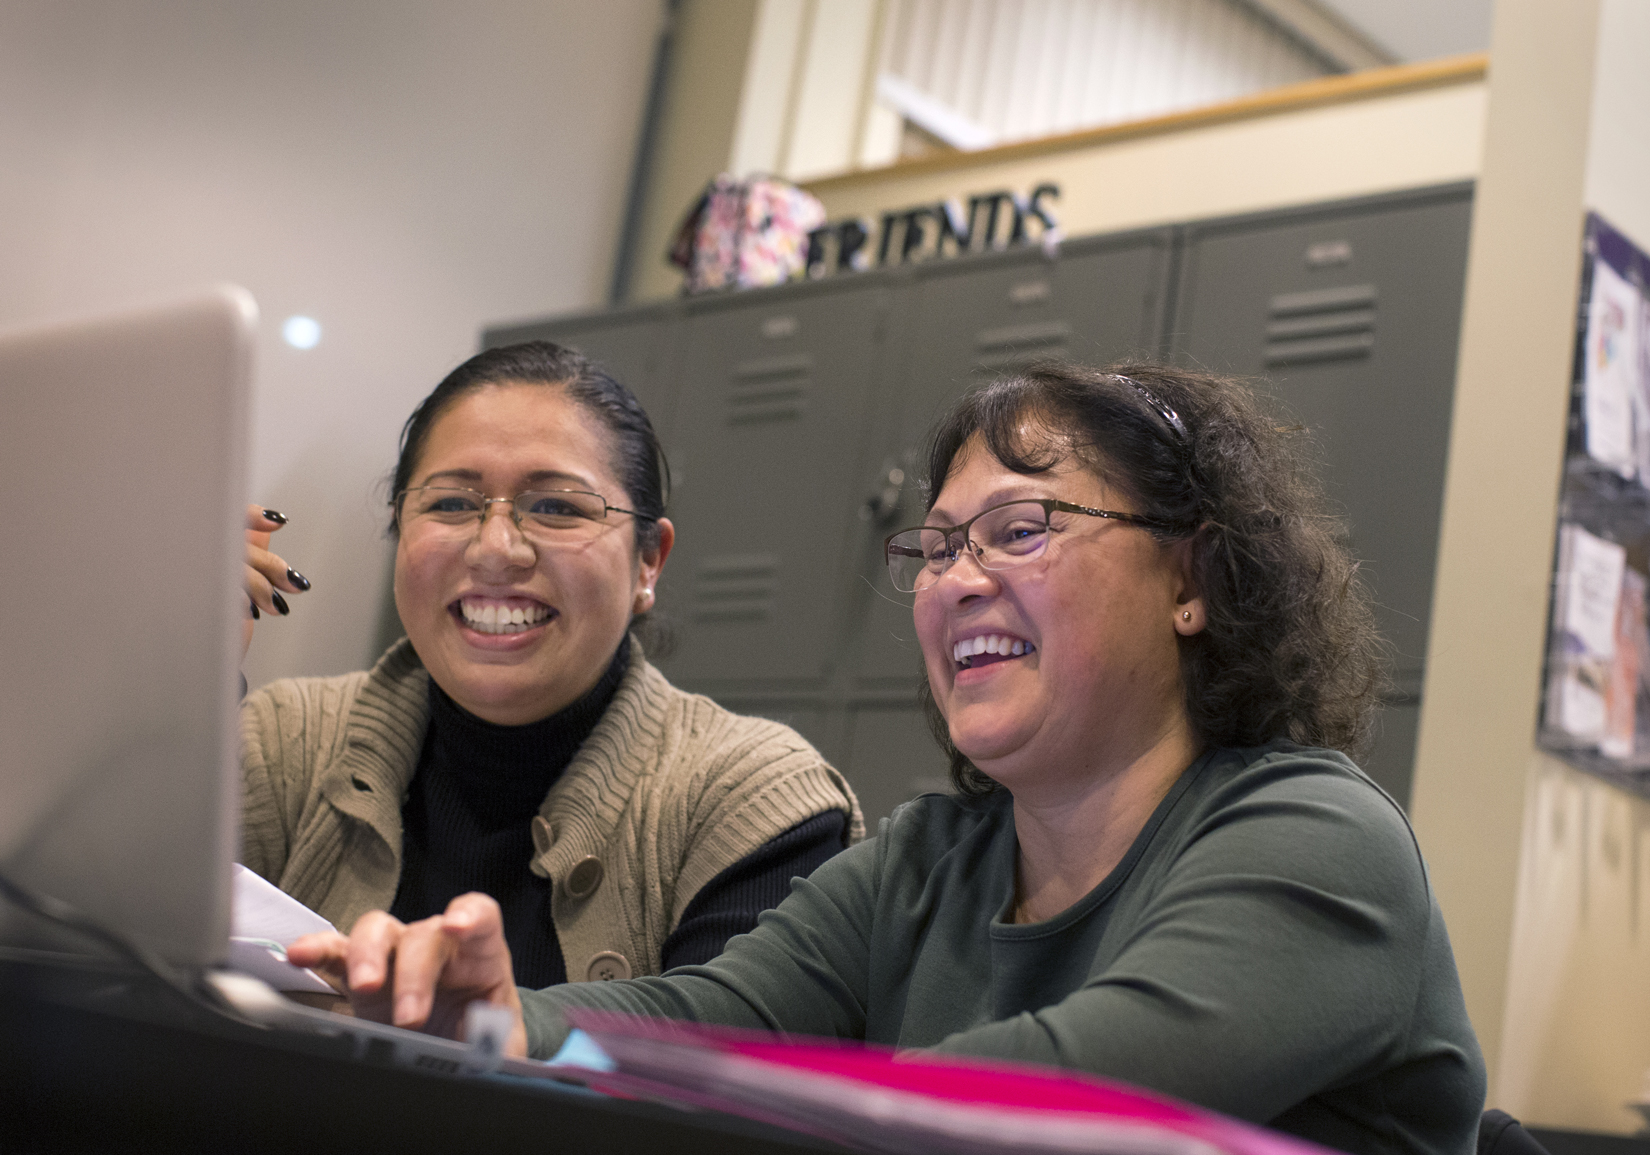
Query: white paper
(264, 921)
(1595, 584)
(1588, 591)
(1613, 393)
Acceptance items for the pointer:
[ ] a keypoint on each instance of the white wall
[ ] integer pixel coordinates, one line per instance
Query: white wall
(402, 171)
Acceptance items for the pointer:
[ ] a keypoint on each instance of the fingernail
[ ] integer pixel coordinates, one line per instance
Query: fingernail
(275, 515)
(280, 602)
(360, 976)
(255, 614)
(297, 578)
(406, 1010)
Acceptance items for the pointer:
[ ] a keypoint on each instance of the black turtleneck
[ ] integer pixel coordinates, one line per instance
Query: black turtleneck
(466, 825)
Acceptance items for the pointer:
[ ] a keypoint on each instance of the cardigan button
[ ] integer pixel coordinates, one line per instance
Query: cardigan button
(606, 967)
(544, 837)
(585, 877)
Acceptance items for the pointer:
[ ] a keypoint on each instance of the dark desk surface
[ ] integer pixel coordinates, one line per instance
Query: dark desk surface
(1589, 1142)
(158, 1077)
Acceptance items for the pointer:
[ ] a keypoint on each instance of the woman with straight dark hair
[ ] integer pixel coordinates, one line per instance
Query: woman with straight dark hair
(517, 742)
(1150, 660)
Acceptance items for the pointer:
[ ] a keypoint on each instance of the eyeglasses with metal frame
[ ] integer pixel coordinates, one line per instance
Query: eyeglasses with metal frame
(1000, 538)
(553, 516)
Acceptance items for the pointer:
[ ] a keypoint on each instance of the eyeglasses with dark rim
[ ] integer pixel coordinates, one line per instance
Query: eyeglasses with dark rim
(555, 516)
(1002, 537)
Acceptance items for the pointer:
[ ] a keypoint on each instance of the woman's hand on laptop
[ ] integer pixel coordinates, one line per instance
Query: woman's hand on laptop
(421, 975)
(266, 574)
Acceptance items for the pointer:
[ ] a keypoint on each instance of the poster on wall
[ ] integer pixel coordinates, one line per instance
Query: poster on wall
(1616, 417)
(1596, 704)
(1586, 599)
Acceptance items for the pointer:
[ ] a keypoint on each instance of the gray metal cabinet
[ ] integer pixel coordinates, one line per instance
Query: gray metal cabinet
(793, 417)
(771, 422)
(636, 345)
(1350, 314)
(967, 322)
(961, 324)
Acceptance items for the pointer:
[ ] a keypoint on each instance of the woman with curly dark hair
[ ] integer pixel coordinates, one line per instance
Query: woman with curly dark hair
(1288, 648)
(1149, 658)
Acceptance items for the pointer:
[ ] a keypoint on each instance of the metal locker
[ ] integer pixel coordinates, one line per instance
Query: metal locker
(770, 427)
(962, 324)
(892, 758)
(965, 323)
(635, 345)
(1350, 314)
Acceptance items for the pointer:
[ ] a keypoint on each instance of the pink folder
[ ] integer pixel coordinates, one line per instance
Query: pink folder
(877, 1099)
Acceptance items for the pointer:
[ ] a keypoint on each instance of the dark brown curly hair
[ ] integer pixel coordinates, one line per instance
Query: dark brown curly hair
(1291, 649)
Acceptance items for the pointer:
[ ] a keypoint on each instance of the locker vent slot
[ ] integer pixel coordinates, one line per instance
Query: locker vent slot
(771, 389)
(1029, 292)
(736, 588)
(1011, 345)
(1321, 325)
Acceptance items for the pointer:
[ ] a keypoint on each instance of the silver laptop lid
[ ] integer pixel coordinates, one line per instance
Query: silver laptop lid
(122, 481)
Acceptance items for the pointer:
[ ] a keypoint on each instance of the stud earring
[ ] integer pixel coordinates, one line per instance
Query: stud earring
(1185, 615)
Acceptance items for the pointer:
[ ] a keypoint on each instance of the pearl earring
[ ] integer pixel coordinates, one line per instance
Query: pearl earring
(1185, 615)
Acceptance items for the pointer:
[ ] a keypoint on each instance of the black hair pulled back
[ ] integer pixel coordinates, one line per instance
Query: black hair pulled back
(637, 458)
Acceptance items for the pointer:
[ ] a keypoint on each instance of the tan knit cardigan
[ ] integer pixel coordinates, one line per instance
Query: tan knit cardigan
(667, 792)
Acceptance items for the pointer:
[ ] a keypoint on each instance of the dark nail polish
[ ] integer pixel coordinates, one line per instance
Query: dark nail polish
(280, 602)
(273, 515)
(255, 614)
(297, 578)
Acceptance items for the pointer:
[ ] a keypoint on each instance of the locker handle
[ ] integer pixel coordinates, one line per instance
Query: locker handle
(883, 505)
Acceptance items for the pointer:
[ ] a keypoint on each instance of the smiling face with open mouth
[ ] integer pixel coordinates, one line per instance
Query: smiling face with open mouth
(1069, 661)
(512, 630)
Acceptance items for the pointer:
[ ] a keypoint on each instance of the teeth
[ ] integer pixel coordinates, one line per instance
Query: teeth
(497, 619)
(964, 651)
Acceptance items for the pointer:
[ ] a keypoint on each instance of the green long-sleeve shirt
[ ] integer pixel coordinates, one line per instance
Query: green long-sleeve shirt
(1269, 947)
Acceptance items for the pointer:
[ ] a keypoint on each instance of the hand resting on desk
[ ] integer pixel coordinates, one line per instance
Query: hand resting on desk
(421, 975)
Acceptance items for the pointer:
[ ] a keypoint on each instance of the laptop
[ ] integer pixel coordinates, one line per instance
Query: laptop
(123, 473)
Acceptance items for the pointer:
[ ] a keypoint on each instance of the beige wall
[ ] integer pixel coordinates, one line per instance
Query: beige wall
(1544, 872)
(1575, 1038)
(700, 126)
(756, 86)
(1479, 701)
